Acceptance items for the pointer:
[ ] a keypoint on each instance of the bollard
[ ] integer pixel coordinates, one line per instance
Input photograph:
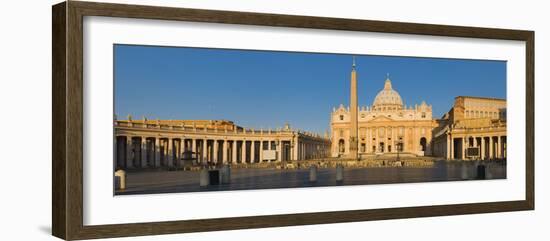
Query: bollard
(204, 178)
(226, 174)
(465, 171)
(488, 174)
(481, 169)
(121, 174)
(339, 173)
(313, 173)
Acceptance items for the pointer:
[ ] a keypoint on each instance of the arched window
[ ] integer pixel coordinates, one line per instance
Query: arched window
(341, 117)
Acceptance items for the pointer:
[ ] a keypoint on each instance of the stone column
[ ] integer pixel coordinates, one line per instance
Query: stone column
(170, 152)
(393, 147)
(482, 148)
(180, 149)
(252, 151)
(305, 147)
(491, 146)
(234, 152)
(367, 140)
(301, 150)
(194, 145)
(204, 150)
(157, 152)
(463, 148)
(294, 148)
(504, 147)
(416, 140)
(129, 152)
(143, 152)
(224, 150)
(499, 147)
(279, 148)
(451, 147)
(448, 151)
(304, 151)
(307, 153)
(215, 152)
(298, 150)
(429, 145)
(243, 150)
(261, 150)
(175, 151)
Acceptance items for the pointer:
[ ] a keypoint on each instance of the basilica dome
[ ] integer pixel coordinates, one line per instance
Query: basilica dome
(387, 99)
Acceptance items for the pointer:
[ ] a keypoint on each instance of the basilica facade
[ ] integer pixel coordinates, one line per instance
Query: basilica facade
(473, 129)
(387, 126)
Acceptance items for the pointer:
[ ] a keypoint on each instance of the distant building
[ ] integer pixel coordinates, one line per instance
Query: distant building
(474, 128)
(162, 143)
(386, 127)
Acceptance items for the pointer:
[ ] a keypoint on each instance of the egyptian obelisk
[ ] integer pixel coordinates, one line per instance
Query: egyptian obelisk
(353, 142)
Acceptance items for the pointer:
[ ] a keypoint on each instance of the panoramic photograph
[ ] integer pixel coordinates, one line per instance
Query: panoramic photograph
(192, 119)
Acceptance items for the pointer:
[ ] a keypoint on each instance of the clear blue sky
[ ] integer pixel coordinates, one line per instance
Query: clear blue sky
(262, 89)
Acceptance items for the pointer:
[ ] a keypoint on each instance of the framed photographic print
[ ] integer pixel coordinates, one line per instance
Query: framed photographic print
(171, 120)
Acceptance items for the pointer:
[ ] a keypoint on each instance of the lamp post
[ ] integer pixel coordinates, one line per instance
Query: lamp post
(399, 146)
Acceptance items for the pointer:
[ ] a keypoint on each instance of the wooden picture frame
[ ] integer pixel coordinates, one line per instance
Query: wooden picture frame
(67, 124)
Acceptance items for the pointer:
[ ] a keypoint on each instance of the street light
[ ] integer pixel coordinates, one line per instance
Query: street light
(399, 146)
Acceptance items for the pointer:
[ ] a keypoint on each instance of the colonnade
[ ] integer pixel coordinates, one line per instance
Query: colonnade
(141, 151)
(484, 147)
(311, 150)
